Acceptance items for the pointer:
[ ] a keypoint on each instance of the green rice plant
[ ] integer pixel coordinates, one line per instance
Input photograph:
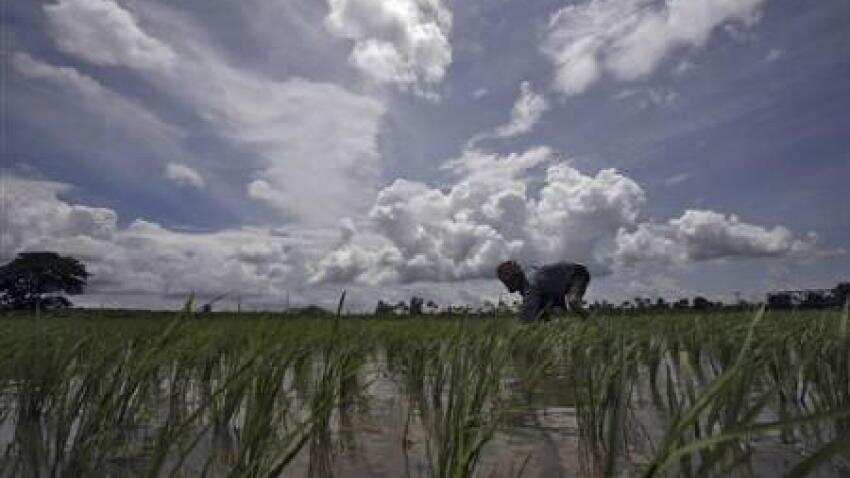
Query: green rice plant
(145, 393)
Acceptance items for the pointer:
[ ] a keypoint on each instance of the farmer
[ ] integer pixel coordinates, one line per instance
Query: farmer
(548, 288)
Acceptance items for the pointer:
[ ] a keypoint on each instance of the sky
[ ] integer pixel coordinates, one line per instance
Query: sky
(285, 150)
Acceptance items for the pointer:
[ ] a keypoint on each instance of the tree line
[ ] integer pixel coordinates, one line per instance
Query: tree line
(38, 280)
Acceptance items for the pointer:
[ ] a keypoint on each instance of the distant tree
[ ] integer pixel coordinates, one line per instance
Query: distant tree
(402, 307)
(841, 293)
(701, 303)
(682, 304)
(383, 308)
(487, 307)
(779, 301)
(31, 275)
(661, 304)
(416, 304)
(432, 307)
(814, 300)
(312, 310)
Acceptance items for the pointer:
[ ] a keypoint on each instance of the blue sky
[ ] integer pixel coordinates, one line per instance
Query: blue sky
(407, 146)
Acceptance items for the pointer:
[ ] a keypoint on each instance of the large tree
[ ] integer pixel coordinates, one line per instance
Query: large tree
(25, 280)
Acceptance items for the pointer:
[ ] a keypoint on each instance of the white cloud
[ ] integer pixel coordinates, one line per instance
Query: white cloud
(629, 38)
(526, 112)
(312, 152)
(146, 258)
(32, 212)
(66, 76)
(318, 144)
(420, 233)
(684, 67)
(404, 42)
(314, 144)
(678, 179)
(773, 55)
(145, 264)
(73, 111)
(184, 175)
(700, 235)
(104, 33)
(96, 99)
(646, 97)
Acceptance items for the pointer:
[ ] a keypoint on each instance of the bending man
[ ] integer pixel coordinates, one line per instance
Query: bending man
(551, 285)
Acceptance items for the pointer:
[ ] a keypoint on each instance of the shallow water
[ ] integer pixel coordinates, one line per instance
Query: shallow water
(385, 419)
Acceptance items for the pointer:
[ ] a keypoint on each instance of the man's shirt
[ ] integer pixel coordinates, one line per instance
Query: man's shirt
(548, 285)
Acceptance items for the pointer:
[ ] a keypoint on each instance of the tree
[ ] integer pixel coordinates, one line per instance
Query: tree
(701, 303)
(416, 304)
(25, 280)
(383, 308)
(841, 293)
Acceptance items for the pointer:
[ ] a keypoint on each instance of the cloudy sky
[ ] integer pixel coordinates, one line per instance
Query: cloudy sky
(390, 147)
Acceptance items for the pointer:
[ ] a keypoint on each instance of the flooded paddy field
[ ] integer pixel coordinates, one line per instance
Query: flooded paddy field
(663, 394)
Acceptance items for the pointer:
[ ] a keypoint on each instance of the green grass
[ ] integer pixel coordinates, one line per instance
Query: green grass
(133, 393)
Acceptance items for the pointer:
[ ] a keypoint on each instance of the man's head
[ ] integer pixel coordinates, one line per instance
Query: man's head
(512, 275)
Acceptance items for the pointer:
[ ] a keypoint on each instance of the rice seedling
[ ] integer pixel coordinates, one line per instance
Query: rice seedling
(155, 394)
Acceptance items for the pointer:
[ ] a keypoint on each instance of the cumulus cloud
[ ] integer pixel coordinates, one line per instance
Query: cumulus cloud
(309, 150)
(104, 33)
(184, 175)
(421, 233)
(146, 258)
(699, 235)
(145, 264)
(629, 38)
(526, 112)
(403, 42)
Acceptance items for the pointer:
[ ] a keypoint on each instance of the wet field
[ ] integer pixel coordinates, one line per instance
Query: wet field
(663, 394)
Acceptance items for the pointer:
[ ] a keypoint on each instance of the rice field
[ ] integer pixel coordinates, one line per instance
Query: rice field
(110, 393)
